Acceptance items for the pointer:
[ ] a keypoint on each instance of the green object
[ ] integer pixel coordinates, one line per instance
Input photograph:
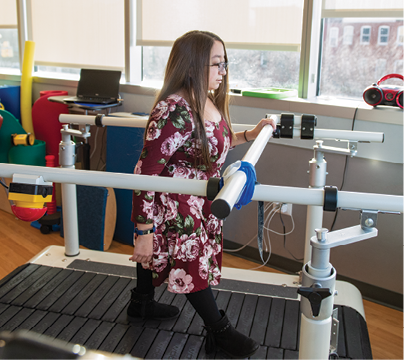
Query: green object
(10, 126)
(28, 155)
(270, 93)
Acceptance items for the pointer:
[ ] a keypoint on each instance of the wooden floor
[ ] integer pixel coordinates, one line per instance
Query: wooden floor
(20, 242)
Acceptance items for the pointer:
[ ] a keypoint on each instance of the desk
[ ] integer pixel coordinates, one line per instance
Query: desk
(84, 106)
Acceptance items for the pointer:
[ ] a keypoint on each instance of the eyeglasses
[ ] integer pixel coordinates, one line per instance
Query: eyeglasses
(221, 66)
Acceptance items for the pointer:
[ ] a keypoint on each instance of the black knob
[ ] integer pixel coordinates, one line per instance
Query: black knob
(315, 296)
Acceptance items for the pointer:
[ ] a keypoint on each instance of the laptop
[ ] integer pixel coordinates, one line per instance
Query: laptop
(97, 87)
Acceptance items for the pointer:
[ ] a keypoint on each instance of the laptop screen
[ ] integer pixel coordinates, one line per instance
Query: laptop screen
(99, 83)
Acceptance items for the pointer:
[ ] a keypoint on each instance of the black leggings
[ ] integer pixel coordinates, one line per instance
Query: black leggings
(203, 301)
(144, 280)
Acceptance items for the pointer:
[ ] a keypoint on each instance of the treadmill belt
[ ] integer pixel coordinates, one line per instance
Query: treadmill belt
(88, 307)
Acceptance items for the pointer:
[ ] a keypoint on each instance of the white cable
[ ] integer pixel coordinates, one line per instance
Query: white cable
(241, 248)
(95, 142)
(266, 261)
(266, 239)
(281, 234)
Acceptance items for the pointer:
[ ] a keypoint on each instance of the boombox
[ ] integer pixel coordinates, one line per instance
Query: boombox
(384, 95)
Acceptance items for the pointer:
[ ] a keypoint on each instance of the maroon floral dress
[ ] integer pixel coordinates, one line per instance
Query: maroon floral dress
(187, 244)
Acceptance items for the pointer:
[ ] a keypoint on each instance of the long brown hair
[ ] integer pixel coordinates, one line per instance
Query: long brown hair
(187, 70)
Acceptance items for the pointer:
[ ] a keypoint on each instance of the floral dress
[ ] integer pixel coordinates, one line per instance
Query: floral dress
(187, 244)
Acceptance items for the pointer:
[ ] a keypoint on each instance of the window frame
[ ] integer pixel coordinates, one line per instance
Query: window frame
(380, 35)
(347, 35)
(361, 41)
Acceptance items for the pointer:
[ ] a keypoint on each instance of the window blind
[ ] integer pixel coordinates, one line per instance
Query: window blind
(78, 33)
(254, 24)
(362, 8)
(8, 14)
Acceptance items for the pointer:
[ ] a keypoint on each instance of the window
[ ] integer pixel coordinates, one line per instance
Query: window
(334, 36)
(90, 37)
(365, 35)
(270, 43)
(248, 68)
(383, 38)
(9, 50)
(400, 35)
(348, 72)
(348, 35)
(258, 56)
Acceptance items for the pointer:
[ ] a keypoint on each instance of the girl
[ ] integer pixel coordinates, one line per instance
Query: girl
(188, 135)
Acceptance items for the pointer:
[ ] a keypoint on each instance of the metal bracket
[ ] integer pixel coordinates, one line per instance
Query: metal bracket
(85, 131)
(352, 148)
(368, 219)
(334, 333)
(342, 237)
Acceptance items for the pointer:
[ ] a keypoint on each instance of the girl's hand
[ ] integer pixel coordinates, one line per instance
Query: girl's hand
(143, 250)
(252, 134)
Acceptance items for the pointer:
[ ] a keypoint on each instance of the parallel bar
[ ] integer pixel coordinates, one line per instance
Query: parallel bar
(294, 195)
(343, 135)
(108, 179)
(106, 120)
(326, 134)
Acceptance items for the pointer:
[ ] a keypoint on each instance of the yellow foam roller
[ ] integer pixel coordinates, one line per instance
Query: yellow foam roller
(26, 87)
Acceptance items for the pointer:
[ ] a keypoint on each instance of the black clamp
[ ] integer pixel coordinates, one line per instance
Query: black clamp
(286, 128)
(277, 132)
(330, 198)
(98, 120)
(212, 188)
(315, 297)
(309, 122)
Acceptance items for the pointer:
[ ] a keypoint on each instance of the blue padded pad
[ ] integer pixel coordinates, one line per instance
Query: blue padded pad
(91, 204)
(124, 146)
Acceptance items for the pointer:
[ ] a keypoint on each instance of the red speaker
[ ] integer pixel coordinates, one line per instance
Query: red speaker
(384, 95)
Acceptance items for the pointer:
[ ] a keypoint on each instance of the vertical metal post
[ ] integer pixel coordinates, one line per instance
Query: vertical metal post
(315, 329)
(67, 159)
(314, 220)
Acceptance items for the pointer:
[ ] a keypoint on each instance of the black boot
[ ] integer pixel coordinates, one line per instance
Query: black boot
(222, 335)
(143, 306)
